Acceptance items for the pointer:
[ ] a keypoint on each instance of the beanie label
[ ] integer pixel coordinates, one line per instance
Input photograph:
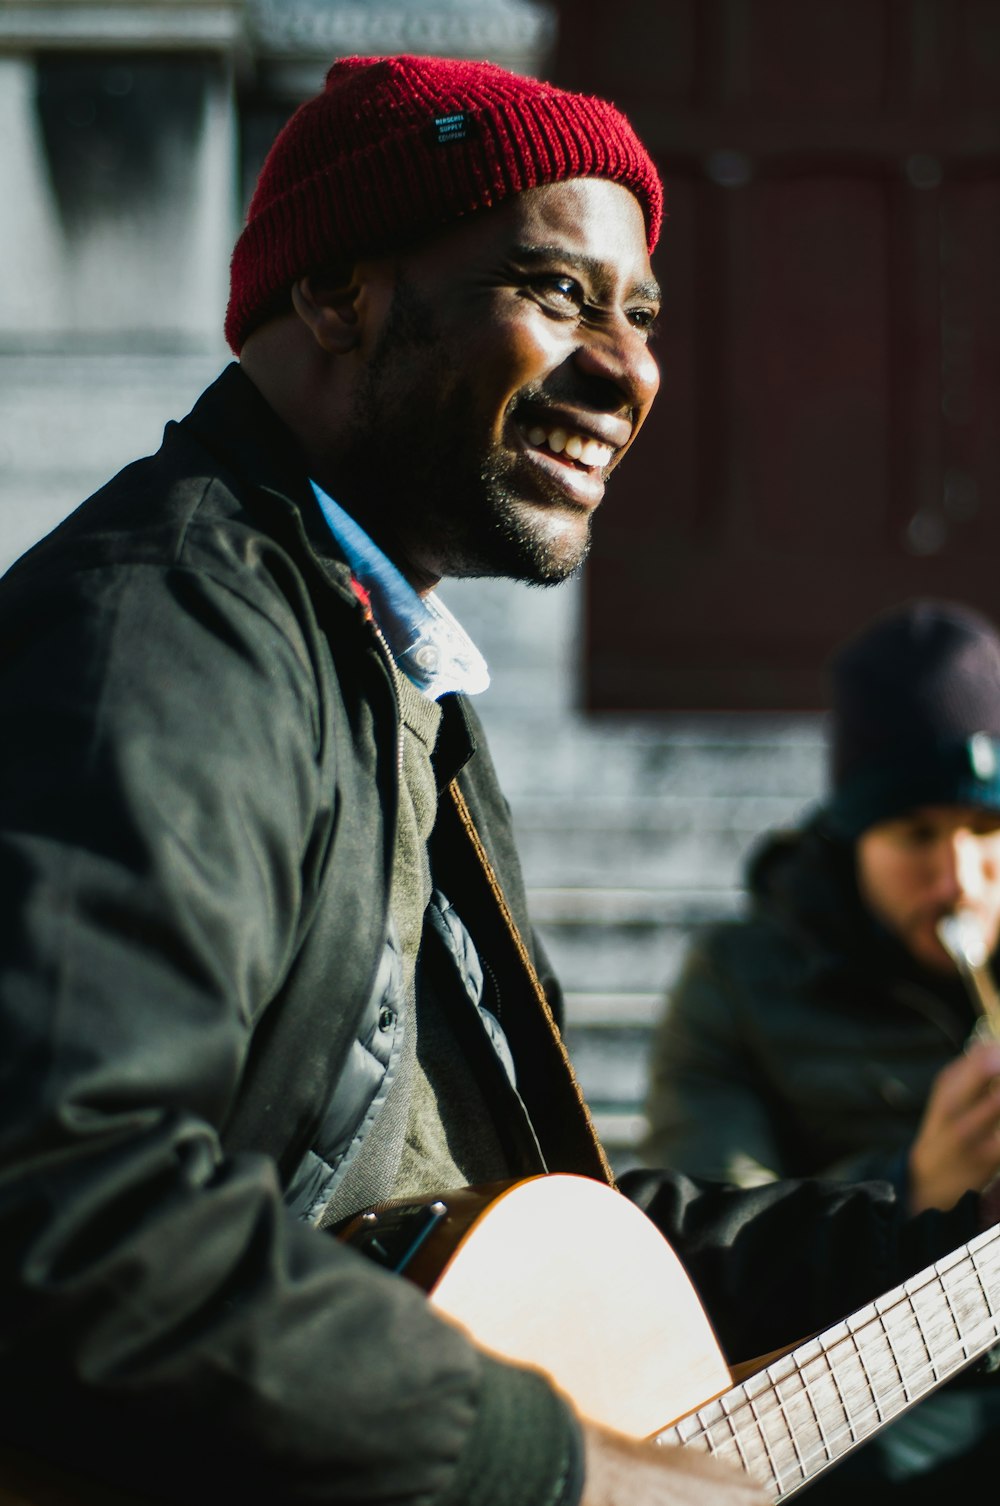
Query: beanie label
(982, 755)
(449, 128)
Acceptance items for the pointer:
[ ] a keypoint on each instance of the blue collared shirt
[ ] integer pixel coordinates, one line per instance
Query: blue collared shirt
(428, 644)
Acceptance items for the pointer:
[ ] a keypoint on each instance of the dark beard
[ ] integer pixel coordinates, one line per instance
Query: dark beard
(407, 496)
(509, 543)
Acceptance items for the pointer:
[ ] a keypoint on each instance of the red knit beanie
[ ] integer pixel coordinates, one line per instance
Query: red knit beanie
(394, 147)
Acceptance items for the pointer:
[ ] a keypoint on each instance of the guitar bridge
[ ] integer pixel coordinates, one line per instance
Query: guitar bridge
(392, 1236)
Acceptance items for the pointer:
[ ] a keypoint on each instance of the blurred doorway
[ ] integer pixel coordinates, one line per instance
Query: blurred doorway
(827, 438)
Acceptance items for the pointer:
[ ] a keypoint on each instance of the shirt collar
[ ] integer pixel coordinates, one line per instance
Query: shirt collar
(428, 644)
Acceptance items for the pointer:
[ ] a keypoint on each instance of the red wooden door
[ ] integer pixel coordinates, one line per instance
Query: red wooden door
(827, 437)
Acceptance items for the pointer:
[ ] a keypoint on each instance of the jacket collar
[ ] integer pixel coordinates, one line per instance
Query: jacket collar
(240, 428)
(237, 425)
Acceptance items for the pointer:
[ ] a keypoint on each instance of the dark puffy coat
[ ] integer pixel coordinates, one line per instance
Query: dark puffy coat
(802, 1040)
(198, 768)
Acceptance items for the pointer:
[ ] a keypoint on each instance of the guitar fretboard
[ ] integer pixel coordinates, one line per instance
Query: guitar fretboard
(793, 1419)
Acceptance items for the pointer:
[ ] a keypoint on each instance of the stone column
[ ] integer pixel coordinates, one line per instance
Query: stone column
(296, 40)
(117, 173)
(120, 198)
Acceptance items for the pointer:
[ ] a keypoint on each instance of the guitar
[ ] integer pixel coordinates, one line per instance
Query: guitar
(519, 1265)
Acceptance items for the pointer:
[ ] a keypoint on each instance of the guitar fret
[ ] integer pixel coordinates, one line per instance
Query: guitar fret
(874, 1342)
(796, 1391)
(985, 1264)
(787, 1422)
(781, 1425)
(783, 1447)
(719, 1429)
(730, 1442)
(901, 1322)
(955, 1314)
(832, 1343)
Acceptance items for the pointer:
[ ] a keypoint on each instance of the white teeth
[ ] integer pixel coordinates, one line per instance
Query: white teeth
(589, 452)
(595, 453)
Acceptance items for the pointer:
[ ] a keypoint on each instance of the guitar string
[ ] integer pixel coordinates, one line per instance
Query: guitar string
(830, 1444)
(809, 1458)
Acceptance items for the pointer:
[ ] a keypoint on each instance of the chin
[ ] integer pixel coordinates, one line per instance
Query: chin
(935, 960)
(556, 548)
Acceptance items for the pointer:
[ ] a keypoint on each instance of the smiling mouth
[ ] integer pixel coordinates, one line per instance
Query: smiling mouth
(576, 449)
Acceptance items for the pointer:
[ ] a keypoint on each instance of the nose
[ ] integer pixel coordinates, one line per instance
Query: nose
(963, 870)
(617, 354)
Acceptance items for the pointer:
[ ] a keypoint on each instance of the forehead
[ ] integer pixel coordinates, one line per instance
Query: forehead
(592, 220)
(945, 819)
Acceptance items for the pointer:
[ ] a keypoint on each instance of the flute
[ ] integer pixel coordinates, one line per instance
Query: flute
(962, 939)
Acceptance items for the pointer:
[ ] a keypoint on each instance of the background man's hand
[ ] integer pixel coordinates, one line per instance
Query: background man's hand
(957, 1148)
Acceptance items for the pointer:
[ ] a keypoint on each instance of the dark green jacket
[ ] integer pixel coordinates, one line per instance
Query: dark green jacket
(800, 1040)
(198, 784)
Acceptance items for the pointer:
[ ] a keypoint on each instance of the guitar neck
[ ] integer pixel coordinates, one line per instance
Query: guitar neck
(806, 1410)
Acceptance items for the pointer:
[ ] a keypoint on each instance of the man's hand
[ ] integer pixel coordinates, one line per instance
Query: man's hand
(625, 1472)
(957, 1148)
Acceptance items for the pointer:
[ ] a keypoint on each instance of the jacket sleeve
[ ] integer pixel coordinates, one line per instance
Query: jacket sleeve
(775, 1264)
(706, 1113)
(885, 1165)
(165, 1323)
(712, 1109)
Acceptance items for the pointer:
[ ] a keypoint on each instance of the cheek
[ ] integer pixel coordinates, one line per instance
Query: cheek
(888, 881)
(531, 351)
(516, 347)
(489, 377)
(990, 860)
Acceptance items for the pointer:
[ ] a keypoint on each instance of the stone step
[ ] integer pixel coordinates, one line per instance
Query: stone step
(69, 422)
(608, 1037)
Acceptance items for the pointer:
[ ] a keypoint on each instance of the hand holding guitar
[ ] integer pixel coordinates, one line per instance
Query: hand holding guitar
(624, 1472)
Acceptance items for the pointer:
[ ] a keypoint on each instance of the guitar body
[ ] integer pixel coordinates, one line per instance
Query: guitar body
(563, 1273)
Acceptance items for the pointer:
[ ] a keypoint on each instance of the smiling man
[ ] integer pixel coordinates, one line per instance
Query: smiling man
(507, 361)
(266, 958)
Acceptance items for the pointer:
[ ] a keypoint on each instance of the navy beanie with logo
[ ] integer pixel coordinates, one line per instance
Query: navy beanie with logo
(915, 701)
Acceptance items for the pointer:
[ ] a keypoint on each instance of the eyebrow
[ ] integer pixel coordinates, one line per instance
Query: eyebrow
(595, 269)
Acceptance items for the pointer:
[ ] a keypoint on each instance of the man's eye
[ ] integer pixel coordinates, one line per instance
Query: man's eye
(644, 319)
(559, 290)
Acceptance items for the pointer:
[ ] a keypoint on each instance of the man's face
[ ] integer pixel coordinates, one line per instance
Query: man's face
(507, 375)
(920, 867)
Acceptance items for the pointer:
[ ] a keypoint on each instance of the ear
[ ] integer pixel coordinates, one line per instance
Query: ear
(328, 307)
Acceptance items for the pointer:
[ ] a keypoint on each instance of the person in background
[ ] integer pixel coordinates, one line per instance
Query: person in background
(829, 1031)
(265, 952)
